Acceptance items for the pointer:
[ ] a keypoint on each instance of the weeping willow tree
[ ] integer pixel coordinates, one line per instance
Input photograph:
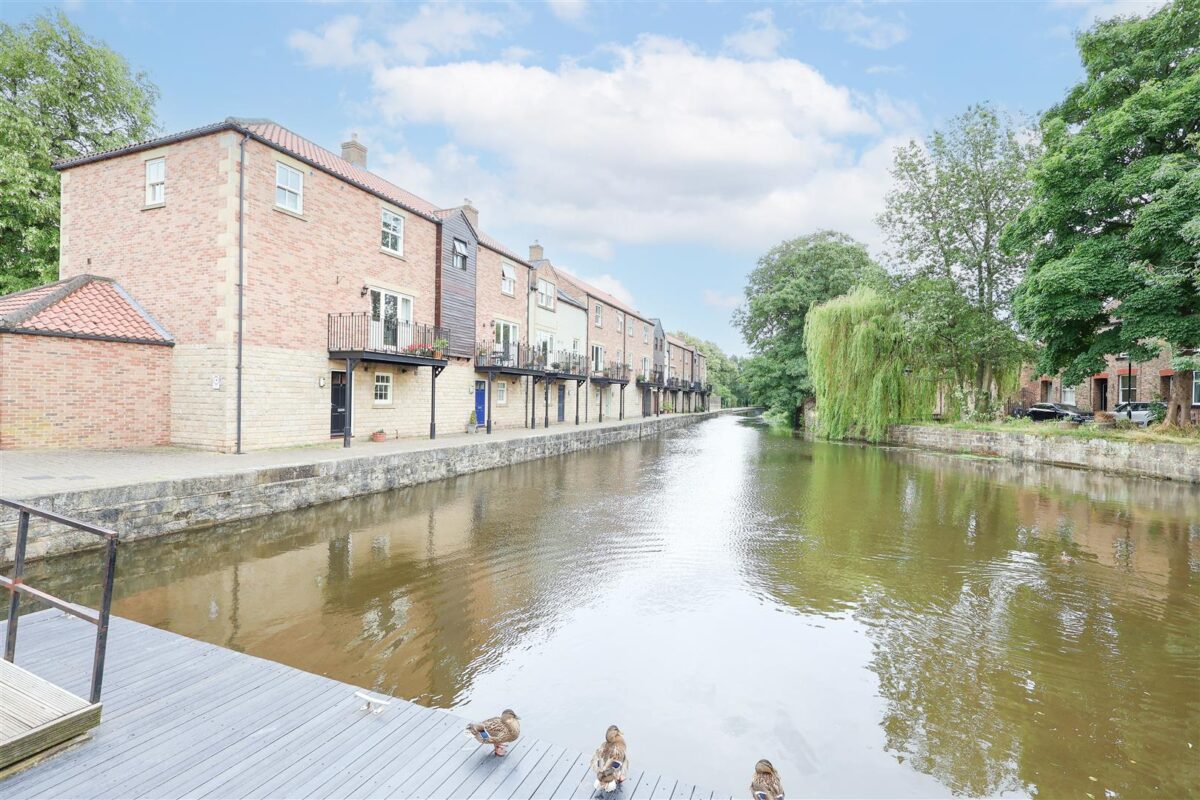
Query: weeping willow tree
(864, 371)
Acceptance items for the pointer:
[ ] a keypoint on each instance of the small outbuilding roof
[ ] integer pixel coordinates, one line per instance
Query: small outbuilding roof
(83, 307)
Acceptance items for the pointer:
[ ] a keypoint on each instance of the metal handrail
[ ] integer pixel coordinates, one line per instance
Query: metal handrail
(567, 362)
(17, 586)
(354, 331)
(512, 355)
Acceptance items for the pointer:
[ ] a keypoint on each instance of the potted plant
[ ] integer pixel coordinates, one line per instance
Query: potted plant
(472, 422)
(378, 436)
(439, 346)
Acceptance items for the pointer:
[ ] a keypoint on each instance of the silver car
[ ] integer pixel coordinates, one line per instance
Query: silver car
(1138, 413)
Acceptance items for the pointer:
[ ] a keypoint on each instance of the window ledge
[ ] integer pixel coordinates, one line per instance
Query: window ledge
(383, 403)
(290, 213)
(150, 206)
(508, 294)
(392, 253)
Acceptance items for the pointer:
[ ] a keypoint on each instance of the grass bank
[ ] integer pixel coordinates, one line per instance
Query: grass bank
(1154, 434)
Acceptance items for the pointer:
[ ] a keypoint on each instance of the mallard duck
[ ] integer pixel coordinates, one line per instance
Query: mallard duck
(497, 731)
(766, 784)
(1064, 558)
(611, 762)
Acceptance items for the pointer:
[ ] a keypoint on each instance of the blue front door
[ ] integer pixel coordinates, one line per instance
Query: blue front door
(481, 402)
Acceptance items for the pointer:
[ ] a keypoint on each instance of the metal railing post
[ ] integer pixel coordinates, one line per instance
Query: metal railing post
(14, 601)
(110, 571)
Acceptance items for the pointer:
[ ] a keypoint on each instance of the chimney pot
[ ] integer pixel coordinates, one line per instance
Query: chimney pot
(535, 251)
(355, 152)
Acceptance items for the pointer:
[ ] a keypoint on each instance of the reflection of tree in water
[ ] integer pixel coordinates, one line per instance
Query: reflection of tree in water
(1002, 669)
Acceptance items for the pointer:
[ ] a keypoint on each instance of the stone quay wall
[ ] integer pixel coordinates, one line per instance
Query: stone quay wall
(156, 508)
(1179, 462)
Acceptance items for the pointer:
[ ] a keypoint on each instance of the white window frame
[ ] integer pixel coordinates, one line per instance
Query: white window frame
(283, 183)
(1068, 394)
(620, 324)
(645, 366)
(386, 385)
(514, 334)
(501, 393)
(156, 185)
(459, 253)
(508, 279)
(1127, 388)
(645, 333)
(545, 344)
(1196, 388)
(545, 294)
(598, 315)
(597, 358)
(391, 229)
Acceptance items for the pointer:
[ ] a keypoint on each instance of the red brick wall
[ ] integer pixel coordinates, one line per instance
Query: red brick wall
(60, 392)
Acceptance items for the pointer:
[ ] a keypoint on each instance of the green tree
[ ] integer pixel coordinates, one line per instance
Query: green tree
(790, 279)
(953, 196)
(61, 95)
(865, 372)
(1113, 233)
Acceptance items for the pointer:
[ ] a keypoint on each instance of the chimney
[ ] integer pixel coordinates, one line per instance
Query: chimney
(535, 252)
(472, 213)
(354, 151)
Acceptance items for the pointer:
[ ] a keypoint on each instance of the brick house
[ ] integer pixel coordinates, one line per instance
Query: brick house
(1120, 381)
(681, 371)
(560, 330)
(82, 364)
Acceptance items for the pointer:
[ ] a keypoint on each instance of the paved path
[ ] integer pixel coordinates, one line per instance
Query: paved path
(30, 473)
(184, 718)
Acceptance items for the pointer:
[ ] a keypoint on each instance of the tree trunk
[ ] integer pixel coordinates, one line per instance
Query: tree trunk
(1179, 406)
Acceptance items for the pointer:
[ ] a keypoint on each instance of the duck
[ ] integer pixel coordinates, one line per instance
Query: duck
(1064, 558)
(498, 732)
(766, 783)
(611, 761)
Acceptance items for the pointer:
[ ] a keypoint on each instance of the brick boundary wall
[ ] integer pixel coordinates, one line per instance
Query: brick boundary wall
(156, 508)
(1179, 462)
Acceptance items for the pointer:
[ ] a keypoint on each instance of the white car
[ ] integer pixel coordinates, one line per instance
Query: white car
(1139, 413)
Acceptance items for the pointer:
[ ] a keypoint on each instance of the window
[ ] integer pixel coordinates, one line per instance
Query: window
(1068, 395)
(619, 359)
(599, 316)
(597, 358)
(545, 295)
(501, 393)
(645, 334)
(289, 188)
(620, 325)
(508, 279)
(645, 366)
(392, 233)
(460, 254)
(156, 181)
(383, 388)
(1196, 388)
(1127, 388)
(506, 339)
(545, 345)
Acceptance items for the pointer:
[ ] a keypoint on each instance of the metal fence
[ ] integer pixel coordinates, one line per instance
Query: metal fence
(356, 331)
(17, 587)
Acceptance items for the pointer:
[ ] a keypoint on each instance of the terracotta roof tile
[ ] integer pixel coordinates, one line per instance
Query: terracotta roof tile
(86, 306)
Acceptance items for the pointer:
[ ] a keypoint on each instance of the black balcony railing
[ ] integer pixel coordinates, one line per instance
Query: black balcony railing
(567, 362)
(697, 386)
(356, 332)
(674, 383)
(612, 371)
(652, 378)
(510, 356)
(707, 388)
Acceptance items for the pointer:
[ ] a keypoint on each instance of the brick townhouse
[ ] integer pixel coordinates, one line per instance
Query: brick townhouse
(308, 298)
(681, 370)
(1120, 381)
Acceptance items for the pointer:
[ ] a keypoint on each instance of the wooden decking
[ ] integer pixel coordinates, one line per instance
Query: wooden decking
(36, 715)
(184, 718)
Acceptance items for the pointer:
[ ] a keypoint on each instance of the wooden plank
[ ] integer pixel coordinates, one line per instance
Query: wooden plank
(43, 737)
(444, 734)
(355, 770)
(663, 790)
(528, 767)
(682, 791)
(18, 679)
(524, 753)
(554, 776)
(411, 742)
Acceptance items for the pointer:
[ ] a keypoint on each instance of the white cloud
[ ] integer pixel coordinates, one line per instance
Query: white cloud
(613, 286)
(516, 53)
(758, 38)
(568, 10)
(869, 30)
(721, 300)
(435, 30)
(885, 69)
(665, 143)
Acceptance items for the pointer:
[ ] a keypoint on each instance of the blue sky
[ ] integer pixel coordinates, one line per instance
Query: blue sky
(656, 149)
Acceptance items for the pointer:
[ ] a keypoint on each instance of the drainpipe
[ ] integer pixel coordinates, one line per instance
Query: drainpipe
(241, 279)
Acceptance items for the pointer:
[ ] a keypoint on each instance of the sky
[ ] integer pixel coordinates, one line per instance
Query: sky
(654, 149)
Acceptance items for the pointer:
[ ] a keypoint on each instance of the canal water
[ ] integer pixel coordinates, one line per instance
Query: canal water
(878, 622)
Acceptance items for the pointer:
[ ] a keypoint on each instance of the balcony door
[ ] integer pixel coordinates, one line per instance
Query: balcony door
(506, 343)
(391, 320)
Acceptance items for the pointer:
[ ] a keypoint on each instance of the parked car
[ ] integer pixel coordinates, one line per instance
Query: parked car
(1044, 411)
(1139, 413)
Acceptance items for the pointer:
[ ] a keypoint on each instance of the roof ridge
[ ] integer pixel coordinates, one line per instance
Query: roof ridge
(64, 288)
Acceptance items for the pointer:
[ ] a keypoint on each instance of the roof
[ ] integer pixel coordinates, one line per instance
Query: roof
(83, 307)
(680, 343)
(602, 295)
(280, 138)
(571, 301)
